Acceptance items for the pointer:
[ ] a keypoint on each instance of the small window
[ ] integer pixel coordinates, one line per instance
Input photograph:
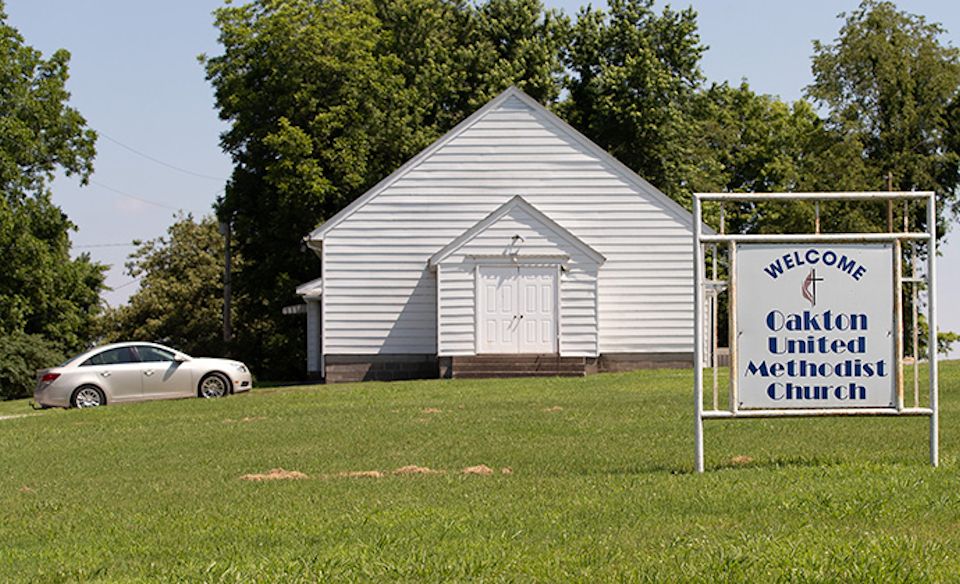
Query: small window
(112, 357)
(150, 354)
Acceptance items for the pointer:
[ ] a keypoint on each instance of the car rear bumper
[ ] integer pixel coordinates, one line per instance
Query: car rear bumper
(51, 396)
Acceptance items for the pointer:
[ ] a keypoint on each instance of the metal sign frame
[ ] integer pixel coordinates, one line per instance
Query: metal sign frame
(897, 239)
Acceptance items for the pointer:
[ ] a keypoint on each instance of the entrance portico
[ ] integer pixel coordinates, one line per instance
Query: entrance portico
(517, 283)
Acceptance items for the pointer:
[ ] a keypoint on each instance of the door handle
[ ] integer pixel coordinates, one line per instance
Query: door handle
(148, 372)
(104, 374)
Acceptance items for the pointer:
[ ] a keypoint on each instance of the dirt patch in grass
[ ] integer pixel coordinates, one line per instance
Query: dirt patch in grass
(276, 474)
(360, 474)
(432, 410)
(412, 469)
(506, 470)
(741, 459)
(480, 469)
(553, 409)
(25, 489)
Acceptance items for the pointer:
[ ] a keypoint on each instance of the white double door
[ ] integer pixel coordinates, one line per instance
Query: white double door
(518, 312)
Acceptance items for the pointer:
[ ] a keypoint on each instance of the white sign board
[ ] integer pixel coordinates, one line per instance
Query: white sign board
(815, 326)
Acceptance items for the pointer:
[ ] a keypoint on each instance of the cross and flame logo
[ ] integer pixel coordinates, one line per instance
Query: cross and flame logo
(809, 288)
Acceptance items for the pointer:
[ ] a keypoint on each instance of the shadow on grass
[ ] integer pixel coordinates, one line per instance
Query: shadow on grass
(777, 463)
(734, 463)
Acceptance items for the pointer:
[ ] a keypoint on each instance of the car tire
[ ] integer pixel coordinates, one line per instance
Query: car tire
(88, 396)
(213, 385)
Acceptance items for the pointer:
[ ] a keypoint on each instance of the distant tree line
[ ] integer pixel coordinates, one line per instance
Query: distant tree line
(325, 98)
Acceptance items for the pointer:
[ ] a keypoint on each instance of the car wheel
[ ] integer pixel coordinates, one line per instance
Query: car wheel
(88, 396)
(214, 385)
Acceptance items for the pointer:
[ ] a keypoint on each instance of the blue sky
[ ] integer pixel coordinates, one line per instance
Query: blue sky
(136, 79)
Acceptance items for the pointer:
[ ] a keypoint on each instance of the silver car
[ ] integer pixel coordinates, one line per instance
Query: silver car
(128, 372)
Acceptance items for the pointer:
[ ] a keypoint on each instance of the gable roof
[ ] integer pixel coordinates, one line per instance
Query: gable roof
(517, 202)
(618, 167)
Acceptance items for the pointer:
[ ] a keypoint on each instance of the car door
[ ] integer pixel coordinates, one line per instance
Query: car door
(163, 376)
(117, 372)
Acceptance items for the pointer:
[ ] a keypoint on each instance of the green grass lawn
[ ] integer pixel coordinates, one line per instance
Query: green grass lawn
(601, 488)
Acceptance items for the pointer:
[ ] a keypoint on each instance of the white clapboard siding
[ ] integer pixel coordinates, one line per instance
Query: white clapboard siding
(380, 296)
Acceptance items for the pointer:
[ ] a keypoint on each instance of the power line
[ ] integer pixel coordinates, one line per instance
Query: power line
(88, 245)
(134, 281)
(134, 197)
(160, 162)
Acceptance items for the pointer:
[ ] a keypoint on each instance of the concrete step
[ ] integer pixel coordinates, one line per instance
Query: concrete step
(519, 366)
(509, 374)
(579, 362)
(522, 365)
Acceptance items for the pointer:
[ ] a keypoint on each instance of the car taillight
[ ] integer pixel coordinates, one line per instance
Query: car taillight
(48, 377)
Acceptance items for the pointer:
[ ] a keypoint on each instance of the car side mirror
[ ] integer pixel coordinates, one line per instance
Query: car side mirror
(180, 358)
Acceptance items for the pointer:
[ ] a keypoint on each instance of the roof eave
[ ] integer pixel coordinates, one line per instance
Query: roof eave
(318, 233)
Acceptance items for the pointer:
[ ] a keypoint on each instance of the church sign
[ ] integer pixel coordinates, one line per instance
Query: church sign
(815, 326)
(816, 320)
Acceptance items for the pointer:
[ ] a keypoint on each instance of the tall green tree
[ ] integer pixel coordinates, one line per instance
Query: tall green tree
(749, 142)
(889, 85)
(48, 301)
(180, 299)
(634, 78)
(43, 292)
(324, 99)
(305, 91)
(39, 132)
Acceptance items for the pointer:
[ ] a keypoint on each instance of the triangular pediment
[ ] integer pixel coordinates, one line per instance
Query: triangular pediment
(510, 101)
(525, 221)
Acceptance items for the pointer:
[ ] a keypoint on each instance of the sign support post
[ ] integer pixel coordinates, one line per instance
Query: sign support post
(932, 326)
(698, 335)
